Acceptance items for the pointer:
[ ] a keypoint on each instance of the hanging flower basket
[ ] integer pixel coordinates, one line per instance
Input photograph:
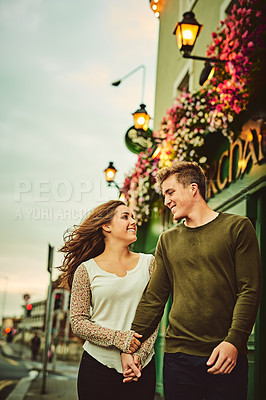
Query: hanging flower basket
(221, 107)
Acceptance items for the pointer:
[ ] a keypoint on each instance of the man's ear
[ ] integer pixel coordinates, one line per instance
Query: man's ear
(194, 189)
(106, 228)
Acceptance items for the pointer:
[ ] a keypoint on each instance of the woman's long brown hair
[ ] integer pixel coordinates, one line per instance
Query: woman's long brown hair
(86, 240)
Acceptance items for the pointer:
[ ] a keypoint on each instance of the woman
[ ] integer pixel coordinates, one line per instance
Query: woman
(107, 281)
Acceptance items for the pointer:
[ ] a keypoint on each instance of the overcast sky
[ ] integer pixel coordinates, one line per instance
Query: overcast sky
(61, 122)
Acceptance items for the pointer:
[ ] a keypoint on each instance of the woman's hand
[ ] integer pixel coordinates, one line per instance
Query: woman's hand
(135, 343)
(131, 367)
(137, 362)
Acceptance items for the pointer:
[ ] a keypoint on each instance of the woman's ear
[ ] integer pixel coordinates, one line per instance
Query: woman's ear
(106, 228)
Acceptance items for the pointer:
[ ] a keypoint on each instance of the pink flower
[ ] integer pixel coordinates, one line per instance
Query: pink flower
(237, 109)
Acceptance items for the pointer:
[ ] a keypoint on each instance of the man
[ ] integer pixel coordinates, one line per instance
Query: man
(210, 265)
(35, 346)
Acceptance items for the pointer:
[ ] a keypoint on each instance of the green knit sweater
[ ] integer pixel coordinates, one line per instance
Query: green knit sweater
(213, 273)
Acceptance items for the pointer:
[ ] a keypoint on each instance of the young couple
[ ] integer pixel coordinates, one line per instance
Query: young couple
(210, 265)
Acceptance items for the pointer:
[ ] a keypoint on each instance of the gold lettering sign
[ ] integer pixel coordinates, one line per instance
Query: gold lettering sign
(211, 188)
(233, 146)
(233, 163)
(221, 184)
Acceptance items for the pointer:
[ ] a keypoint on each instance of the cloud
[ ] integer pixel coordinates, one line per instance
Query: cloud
(140, 26)
(23, 14)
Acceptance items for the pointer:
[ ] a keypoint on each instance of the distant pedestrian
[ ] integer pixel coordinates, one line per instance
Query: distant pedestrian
(35, 346)
(107, 281)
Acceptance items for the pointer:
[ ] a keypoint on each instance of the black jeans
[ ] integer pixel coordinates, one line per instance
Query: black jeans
(96, 381)
(186, 378)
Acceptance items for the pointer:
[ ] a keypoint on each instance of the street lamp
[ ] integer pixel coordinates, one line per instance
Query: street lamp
(110, 173)
(156, 148)
(141, 117)
(187, 32)
(207, 73)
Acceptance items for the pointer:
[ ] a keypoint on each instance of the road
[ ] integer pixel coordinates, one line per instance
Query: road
(11, 370)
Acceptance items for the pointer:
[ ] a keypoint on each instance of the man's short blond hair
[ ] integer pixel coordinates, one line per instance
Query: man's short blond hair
(186, 173)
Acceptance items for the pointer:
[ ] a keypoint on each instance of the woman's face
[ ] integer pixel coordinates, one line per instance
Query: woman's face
(123, 225)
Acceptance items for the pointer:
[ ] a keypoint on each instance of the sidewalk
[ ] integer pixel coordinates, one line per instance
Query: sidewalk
(56, 388)
(60, 384)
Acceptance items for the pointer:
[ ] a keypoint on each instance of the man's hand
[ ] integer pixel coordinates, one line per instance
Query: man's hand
(131, 367)
(137, 360)
(224, 358)
(135, 343)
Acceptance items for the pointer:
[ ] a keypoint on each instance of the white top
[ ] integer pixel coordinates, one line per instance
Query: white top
(114, 301)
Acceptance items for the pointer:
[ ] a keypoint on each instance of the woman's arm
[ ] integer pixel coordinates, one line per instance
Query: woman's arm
(80, 318)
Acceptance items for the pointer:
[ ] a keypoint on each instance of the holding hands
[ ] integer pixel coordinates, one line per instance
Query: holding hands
(131, 367)
(135, 343)
(131, 363)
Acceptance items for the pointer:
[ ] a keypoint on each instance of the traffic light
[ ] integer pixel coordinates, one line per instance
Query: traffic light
(58, 301)
(28, 309)
(9, 334)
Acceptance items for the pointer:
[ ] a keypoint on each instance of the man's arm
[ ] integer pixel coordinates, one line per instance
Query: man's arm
(150, 309)
(249, 285)
(249, 288)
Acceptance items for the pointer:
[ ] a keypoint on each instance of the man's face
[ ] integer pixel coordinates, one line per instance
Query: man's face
(177, 198)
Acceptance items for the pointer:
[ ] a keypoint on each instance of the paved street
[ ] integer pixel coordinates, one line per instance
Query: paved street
(11, 371)
(11, 368)
(21, 379)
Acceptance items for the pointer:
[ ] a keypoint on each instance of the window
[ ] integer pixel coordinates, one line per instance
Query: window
(184, 84)
(226, 8)
(230, 6)
(184, 79)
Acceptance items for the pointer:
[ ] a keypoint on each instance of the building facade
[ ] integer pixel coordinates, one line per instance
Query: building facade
(230, 135)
